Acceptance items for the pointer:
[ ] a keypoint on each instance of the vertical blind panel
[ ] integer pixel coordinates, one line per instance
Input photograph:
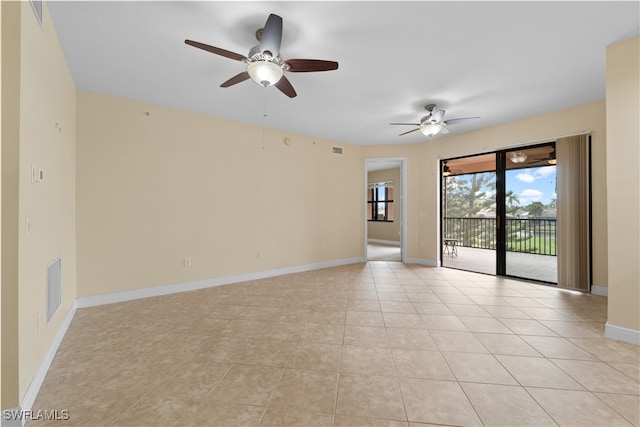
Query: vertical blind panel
(573, 212)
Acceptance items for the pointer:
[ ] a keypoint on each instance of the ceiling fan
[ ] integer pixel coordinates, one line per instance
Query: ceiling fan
(433, 123)
(535, 156)
(447, 171)
(265, 66)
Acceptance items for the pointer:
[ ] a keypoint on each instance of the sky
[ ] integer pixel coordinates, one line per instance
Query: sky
(533, 184)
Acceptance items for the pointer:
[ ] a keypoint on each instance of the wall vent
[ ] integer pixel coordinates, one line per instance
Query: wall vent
(54, 287)
(336, 150)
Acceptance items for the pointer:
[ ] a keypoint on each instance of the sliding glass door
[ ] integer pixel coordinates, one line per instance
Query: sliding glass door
(469, 213)
(499, 213)
(530, 214)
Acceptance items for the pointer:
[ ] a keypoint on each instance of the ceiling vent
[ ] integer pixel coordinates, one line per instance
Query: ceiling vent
(336, 150)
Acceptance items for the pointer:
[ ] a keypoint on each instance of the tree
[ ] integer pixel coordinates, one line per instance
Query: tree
(466, 195)
(535, 209)
(512, 199)
(512, 202)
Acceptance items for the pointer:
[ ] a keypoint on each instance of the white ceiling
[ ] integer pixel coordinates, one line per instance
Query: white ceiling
(498, 60)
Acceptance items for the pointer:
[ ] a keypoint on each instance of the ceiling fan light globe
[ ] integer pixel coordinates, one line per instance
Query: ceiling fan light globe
(431, 129)
(265, 73)
(518, 157)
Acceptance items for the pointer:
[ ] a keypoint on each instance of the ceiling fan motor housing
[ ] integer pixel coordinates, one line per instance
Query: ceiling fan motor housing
(255, 54)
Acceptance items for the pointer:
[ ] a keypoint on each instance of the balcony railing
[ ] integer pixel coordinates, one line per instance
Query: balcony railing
(537, 236)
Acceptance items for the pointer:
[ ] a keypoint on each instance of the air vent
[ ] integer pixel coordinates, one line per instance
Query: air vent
(336, 150)
(54, 286)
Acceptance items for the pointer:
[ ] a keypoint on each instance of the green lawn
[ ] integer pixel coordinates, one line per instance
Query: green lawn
(532, 245)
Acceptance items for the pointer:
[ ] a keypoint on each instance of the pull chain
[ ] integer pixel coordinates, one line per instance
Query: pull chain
(264, 116)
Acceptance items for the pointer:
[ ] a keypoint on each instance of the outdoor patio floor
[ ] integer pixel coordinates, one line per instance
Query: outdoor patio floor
(528, 266)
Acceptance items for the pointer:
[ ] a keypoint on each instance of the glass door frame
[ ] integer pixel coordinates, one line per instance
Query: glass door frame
(501, 206)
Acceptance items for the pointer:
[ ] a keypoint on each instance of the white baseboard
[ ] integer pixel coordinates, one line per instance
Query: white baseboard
(620, 333)
(384, 242)
(420, 261)
(600, 290)
(155, 291)
(34, 388)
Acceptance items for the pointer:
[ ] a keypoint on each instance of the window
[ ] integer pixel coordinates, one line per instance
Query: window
(380, 202)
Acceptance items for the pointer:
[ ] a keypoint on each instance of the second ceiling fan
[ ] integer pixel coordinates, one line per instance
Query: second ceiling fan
(433, 123)
(265, 66)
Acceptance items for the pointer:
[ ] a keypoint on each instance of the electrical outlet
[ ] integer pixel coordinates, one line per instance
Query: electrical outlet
(187, 262)
(258, 254)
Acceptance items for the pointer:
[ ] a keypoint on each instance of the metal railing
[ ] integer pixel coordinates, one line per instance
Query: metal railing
(528, 235)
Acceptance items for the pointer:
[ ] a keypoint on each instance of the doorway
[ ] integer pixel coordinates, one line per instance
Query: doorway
(385, 209)
(499, 213)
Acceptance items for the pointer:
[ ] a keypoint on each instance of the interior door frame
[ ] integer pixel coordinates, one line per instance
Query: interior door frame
(369, 162)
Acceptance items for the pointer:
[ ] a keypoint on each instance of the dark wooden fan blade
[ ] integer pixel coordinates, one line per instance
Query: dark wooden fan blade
(236, 79)
(310, 65)
(413, 130)
(455, 121)
(216, 50)
(406, 124)
(272, 35)
(285, 87)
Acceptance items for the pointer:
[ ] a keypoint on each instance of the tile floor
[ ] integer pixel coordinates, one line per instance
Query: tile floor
(383, 252)
(379, 344)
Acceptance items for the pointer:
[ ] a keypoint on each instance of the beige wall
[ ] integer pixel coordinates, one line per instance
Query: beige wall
(623, 183)
(47, 140)
(389, 231)
(154, 189)
(42, 108)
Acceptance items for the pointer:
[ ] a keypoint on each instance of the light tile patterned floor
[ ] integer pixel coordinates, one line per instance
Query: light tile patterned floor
(380, 343)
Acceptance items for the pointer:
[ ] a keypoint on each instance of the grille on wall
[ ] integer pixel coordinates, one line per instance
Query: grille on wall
(54, 286)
